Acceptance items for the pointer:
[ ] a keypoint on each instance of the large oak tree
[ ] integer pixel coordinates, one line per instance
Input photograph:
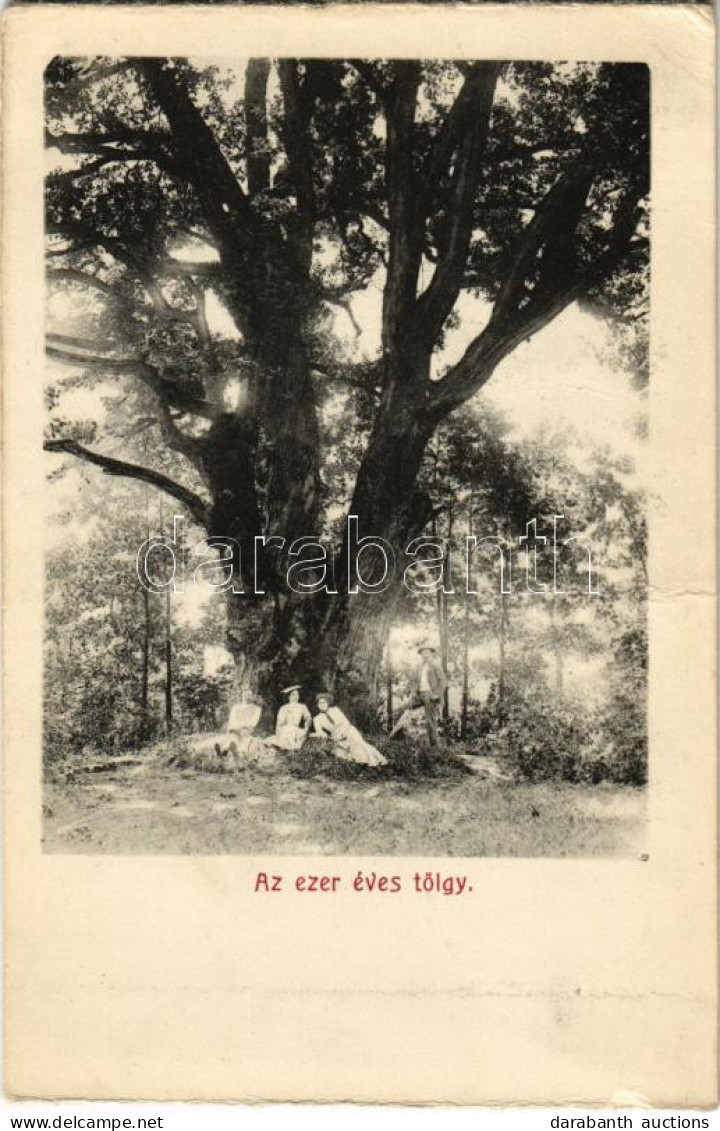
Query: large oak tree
(284, 188)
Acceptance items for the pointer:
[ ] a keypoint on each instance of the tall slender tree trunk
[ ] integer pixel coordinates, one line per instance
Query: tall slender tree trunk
(168, 649)
(147, 627)
(466, 637)
(168, 665)
(389, 691)
(145, 652)
(445, 622)
(465, 670)
(374, 690)
(441, 606)
(439, 600)
(503, 662)
(558, 654)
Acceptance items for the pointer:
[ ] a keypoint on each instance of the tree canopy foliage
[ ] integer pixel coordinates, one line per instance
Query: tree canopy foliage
(281, 189)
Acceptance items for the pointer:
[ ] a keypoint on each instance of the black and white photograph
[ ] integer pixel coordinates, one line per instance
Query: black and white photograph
(346, 382)
(359, 564)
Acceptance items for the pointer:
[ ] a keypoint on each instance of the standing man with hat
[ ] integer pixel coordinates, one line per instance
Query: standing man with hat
(426, 690)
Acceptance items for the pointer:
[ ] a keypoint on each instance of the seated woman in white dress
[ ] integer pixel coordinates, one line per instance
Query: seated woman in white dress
(243, 719)
(293, 722)
(348, 743)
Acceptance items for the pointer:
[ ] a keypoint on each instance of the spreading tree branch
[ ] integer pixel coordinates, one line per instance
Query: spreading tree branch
(87, 170)
(65, 348)
(296, 137)
(465, 135)
(249, 245)
(544, 278)
(191, 447)
(122, 144)
(71, 275)
(479, 85)
(59, 347)
(111, 466)
(405, 242)
(197, 150)
(87, 75)
(257, 156)
(552, 232)
(145, 273)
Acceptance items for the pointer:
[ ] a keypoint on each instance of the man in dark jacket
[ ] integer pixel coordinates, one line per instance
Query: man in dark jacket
(427, 688)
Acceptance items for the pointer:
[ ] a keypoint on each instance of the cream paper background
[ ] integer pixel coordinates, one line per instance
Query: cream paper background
(556, 980)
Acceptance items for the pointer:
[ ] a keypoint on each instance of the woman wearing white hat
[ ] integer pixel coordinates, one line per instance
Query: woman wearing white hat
(293, 722)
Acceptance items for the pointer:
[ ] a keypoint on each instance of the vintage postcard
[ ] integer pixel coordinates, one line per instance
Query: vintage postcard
(359, 554)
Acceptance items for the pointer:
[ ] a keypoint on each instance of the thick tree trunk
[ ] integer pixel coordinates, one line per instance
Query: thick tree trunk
(290, 427)
(261, 464)
(389, 507)
(386, 499)
(319, 640)
(276, 640)
(323, 642)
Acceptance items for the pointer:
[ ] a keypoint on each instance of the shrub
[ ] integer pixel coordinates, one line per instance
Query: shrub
(407, 760)
(545, 738)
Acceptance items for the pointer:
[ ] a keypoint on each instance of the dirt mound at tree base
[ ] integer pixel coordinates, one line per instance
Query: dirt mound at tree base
(407, 760)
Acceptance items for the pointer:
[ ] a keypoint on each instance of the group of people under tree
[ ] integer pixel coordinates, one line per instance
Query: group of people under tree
(295, 722)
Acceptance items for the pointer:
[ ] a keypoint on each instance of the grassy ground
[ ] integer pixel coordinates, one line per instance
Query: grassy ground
(311, 804)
